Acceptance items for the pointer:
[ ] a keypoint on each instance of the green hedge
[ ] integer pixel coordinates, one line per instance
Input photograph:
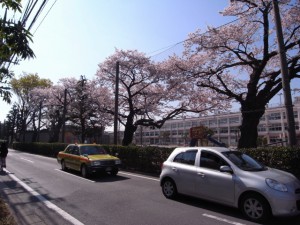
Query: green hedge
(47, 149)
(149, 159)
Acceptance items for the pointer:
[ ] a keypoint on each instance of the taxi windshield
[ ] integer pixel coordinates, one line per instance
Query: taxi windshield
(92, 150)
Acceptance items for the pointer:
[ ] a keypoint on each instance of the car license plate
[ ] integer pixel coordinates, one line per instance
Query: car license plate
(108, 169)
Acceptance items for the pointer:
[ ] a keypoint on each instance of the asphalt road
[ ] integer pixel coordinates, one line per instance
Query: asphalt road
(127, 199)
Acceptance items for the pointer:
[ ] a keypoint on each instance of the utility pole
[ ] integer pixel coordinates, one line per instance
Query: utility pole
(116, 105)
(64, 117)
(285, 78)
(39, 122)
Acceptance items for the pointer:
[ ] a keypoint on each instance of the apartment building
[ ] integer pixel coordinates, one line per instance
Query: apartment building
(271, 129)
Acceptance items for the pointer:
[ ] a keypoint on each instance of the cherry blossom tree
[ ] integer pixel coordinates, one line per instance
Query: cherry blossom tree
(145, 96)
(241, 60)
(80, 108)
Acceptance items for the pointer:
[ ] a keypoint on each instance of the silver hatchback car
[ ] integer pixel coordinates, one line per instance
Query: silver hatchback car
(231, 178)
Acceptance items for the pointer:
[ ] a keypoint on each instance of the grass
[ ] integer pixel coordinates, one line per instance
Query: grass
(6, 218)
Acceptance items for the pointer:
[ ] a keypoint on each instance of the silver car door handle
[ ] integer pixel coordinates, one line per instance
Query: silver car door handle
(174, 169)
(201, 174)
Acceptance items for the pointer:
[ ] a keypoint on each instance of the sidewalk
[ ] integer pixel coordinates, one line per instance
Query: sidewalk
(26, 208)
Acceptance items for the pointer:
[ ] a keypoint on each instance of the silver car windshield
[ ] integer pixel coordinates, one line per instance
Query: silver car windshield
(243, 161)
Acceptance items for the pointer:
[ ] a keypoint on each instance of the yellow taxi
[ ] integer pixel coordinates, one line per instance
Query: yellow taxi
(88, 159)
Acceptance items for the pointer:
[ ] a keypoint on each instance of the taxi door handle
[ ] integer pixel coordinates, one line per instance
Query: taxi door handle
(174, 169)
(201, 174)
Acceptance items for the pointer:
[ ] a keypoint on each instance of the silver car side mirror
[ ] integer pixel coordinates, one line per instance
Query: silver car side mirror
(226, 169)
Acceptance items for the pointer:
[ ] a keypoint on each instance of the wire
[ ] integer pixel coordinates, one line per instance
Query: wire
(178, 43)
(44, 17)
(38, 13)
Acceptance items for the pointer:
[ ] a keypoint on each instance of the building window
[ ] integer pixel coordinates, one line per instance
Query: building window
(213, 122)
(275, 116)
(275, 127)
(224, 130)
(215, 130)
(296, 126)
(195, 124)
(174, 125)
(188, 124)
(234, 120)
(223, 121)
(204, 123)
(261, 128)
(234, 130)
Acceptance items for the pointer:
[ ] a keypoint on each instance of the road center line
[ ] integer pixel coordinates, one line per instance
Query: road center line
(27, 160)
(49, 204)
(222, 219)
(143, 177)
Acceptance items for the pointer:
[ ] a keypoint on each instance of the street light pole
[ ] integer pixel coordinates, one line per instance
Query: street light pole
(285, 78)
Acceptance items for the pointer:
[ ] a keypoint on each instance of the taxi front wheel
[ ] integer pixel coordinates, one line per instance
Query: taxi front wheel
(114, 172)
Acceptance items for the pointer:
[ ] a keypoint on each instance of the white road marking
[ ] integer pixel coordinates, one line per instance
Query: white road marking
(49, 204)
(222, 219)
(82, 178)
(27, 160)
(143, 177)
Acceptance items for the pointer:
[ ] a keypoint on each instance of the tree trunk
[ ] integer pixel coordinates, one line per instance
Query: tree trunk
(249, 133)
(130, 128)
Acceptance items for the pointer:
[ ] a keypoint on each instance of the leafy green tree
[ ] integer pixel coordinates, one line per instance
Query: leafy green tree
(14, 44)
(27, 105)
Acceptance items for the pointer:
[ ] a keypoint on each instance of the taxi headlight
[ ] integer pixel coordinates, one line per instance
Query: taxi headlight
(274, 184)
(117, 162)
(95, 163)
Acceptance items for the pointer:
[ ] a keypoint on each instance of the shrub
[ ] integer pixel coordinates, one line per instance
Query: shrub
(149, 159)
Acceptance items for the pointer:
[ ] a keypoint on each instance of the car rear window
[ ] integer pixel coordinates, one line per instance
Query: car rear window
(187, 157)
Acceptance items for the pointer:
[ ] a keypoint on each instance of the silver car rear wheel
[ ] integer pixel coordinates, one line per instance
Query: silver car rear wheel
(169, 189)
(255, 207)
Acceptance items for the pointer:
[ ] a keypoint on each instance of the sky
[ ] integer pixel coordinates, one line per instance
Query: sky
(73, 37)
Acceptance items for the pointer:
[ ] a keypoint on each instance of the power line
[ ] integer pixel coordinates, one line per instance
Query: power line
(38, 13)
(178, 43)
(31, 4)
(44, 17)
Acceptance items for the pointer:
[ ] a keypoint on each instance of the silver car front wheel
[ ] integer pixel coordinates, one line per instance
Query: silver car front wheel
(255, 207)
